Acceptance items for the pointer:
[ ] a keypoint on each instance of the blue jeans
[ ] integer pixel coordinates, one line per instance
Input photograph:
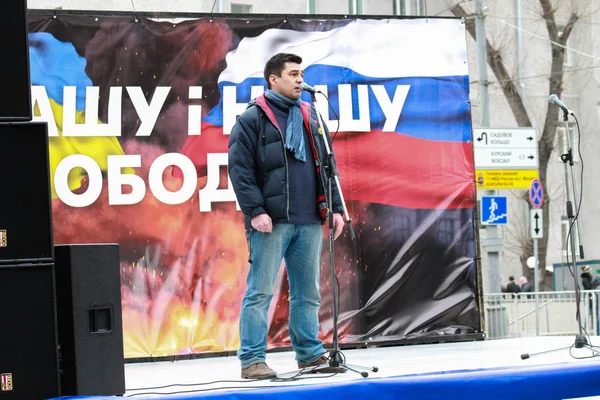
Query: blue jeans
(300, 245)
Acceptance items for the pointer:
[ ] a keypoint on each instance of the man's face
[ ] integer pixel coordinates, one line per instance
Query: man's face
(288, 84)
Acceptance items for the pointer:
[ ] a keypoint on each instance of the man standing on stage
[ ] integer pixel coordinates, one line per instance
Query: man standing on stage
(276, 159)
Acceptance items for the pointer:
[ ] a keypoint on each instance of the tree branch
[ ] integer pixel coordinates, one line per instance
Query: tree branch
(568, 28)
(496, 63)
(548, 15)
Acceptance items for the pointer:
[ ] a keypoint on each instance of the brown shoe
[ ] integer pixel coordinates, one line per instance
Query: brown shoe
(260, 370)
(321, 363)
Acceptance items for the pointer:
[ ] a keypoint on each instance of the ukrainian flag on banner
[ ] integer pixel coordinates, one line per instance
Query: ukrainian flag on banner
(54, 65)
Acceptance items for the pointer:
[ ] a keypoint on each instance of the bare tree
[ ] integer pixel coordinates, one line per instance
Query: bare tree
(509, 87)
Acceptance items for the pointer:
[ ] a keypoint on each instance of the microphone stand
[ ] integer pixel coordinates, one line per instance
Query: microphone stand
(336, 359)
(567, 157)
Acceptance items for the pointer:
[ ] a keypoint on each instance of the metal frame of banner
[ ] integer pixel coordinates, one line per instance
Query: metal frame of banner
(199, 15)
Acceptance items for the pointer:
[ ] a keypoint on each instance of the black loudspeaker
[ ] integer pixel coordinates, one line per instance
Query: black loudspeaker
(25, 204)
(28, 337)
(15, 81)
(90, 326)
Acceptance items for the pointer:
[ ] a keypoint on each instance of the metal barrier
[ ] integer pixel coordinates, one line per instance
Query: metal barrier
(509, 315)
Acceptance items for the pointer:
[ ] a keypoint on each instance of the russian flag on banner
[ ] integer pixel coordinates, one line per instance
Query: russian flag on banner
(401, 91)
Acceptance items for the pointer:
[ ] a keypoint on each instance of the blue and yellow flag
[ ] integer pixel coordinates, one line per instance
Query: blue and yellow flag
(54, 65)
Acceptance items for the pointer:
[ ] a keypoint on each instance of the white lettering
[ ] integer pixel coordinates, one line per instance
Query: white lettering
(155, 178)
(148, 113)
(347, 121)
(61, 183)
(323, 109)
(210, 193)
(391, 109)
(92, 127)
(39, 96)
(195, 112)
(116, 180)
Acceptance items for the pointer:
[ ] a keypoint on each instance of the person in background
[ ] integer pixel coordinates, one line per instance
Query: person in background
(596, 281)
(586, 278)
(526, 286)
(512, 287)
(588, 284)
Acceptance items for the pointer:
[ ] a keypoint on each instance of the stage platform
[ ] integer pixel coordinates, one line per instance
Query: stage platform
(490, 369)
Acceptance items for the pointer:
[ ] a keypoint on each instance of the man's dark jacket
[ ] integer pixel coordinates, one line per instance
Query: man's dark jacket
(258, 164)
(586, 281)
(513, 288)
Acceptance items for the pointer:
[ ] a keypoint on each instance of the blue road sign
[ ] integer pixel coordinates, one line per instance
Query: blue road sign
(494, 210)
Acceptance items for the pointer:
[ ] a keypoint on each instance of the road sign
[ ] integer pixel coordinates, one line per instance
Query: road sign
(510, 148)
(508, 138)
(505, 178)
(506, 158)
(536, 223)
(494, 210)
(536, 193)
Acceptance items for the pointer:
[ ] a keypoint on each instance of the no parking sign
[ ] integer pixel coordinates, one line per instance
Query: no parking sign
(536, 193)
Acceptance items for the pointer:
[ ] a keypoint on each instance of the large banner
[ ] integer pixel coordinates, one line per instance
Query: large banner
(139, 114)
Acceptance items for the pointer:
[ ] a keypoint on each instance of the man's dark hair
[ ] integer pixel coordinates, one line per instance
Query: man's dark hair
(511, 278)
(276, 65)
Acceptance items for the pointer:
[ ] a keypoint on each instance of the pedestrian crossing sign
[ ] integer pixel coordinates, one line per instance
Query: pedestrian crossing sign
(494, 210)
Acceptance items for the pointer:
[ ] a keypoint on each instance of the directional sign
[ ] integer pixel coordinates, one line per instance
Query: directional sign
(510, 148)
(505, 178)
(536, 224)
(536, 193)
(510, 138)
(494, 210)
(506, 158)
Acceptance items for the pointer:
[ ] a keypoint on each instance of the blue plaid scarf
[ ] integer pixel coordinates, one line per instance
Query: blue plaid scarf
(294, 133)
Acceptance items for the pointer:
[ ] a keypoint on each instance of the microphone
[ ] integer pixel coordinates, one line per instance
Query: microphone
(307, 88)
(553, 99)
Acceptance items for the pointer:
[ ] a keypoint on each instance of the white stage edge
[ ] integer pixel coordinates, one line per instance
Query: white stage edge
(391, 362)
